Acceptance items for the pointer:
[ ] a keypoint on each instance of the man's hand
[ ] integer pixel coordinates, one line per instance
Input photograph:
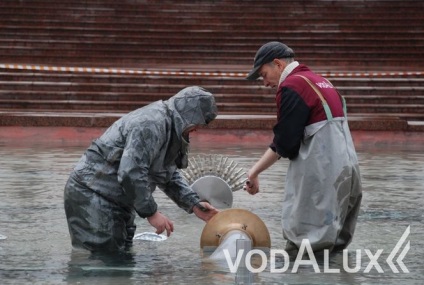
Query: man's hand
(268, 159)
(252, 184)
(204, 211)
(161, 223)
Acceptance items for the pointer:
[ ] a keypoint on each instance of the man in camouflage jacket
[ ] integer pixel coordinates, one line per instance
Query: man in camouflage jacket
(118, 173)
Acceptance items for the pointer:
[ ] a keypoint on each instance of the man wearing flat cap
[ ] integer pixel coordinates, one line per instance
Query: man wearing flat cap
(323, 189)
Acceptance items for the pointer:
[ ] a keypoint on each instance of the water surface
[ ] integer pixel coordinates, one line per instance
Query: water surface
(37, 249)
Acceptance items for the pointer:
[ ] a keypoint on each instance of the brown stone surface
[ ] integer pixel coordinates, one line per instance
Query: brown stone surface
(254, 122)
(216, 36)
(72, 136)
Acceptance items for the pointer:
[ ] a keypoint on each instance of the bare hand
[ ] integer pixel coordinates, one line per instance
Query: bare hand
(252, 184)
(207, 213)
(161, 223)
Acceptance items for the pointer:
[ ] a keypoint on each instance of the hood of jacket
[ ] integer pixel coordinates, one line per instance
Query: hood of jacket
(192, 106)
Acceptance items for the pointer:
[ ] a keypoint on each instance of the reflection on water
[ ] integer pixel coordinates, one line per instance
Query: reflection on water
(37, 248)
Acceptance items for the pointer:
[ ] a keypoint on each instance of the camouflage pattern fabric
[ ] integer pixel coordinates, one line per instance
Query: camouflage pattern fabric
(119, 171)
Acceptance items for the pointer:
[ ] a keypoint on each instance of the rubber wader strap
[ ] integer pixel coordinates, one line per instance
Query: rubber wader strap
(344, 106)
(323, 101)
(341, 99)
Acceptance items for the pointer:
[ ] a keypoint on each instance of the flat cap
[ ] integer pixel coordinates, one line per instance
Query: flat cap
(267, 53)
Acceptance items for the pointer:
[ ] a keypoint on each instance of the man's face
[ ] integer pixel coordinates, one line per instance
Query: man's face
(271, 73)
(188, 130)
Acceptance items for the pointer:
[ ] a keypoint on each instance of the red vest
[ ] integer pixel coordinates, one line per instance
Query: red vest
(309, 96)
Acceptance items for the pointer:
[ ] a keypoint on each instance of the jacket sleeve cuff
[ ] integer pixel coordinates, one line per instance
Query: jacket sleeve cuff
(148, 211)
(194, 202)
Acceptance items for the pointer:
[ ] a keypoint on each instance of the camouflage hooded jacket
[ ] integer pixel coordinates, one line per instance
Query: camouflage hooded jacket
(140, 152)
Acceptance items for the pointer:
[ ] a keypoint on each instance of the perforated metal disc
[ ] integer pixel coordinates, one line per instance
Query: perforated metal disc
(149, 236)
(214, 190)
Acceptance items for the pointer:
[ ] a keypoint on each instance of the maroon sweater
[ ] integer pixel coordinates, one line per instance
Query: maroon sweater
(299, 106)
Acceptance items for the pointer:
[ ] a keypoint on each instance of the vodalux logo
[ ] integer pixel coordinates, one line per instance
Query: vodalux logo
(305, 249)
(402, 255)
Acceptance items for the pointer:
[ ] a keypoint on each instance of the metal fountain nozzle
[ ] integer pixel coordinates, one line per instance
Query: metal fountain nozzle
(214, 178)
(229, 221)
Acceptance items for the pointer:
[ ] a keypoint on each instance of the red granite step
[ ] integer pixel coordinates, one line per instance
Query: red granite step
(123, 106)
(242, 89)
(111, 97)
(105, 32)
(360, 80)
(228, 107)
(222, 122)
(138, 48)
(329, 35)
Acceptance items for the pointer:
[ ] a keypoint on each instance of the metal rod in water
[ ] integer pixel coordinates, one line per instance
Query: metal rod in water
(243, 275)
